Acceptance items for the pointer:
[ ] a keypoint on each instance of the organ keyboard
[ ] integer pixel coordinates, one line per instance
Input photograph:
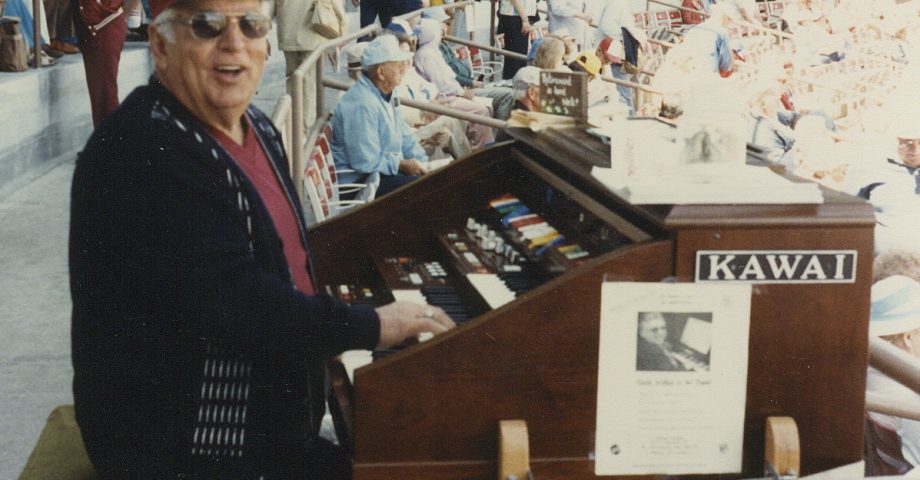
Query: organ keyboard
(516, 241)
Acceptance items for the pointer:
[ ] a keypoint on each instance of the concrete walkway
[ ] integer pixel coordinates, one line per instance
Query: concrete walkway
(35, 370)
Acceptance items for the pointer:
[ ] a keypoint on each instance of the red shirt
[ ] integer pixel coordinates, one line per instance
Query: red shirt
(252, 159)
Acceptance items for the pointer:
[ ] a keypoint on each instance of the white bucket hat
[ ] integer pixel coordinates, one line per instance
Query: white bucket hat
(895, 306)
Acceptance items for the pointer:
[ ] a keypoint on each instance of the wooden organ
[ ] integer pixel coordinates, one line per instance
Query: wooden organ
(431, 410)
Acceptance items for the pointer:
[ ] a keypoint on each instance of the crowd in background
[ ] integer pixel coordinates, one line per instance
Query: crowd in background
(827, 92)
(829, 84)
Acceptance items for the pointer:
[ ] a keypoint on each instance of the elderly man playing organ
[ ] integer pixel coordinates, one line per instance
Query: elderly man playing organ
(198, 339)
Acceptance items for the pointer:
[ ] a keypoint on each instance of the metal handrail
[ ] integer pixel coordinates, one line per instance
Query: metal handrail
(482, 46)
(431, 107)
(282, 119)
(632, 85)
(887, 405)
(662, 43)
(895, 363)
(679, 7)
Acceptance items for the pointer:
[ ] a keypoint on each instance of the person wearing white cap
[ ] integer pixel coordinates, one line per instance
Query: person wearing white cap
(353, 53)
(433, 131)
(427, 28)
(895, 318)
(435, 13)
(526, 86)
(431, 66)
(368, 132)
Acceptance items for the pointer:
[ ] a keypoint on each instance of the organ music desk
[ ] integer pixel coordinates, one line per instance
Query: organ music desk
(431, 410)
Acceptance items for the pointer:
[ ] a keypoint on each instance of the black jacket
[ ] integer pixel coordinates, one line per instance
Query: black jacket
(192, 352)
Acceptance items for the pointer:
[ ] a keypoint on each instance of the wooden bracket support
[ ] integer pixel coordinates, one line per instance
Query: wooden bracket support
(513, 450)
(781, 448)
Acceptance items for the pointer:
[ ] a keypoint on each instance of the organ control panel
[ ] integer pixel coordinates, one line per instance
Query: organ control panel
(514, 243)
(508, 247)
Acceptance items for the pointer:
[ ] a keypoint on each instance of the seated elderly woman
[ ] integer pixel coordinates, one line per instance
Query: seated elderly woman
(550, 55)
(896, 319)
(463, 72)
(431, 65)
(436, 133)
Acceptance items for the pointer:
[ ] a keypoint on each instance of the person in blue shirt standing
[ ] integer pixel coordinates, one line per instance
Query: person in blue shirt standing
(368, 133)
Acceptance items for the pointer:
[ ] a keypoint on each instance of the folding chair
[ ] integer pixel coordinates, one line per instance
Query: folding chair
(489, 69)
(677, 21)
(643, 20)
(334, 189)
(316, 201)
(662, 19)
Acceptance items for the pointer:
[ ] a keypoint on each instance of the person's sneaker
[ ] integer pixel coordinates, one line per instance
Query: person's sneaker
(47, 61)
(134, 19)
(64, 47)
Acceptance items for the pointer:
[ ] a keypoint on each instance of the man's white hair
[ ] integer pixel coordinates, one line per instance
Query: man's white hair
(164, 24)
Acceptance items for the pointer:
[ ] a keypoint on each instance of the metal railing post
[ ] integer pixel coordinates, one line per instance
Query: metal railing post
(492, 30)
(297, 140)
(36, 33)
(320, 109)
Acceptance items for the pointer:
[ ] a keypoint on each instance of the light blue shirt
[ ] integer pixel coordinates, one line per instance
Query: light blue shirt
(369, 134)
(561, 15)
(613, 17)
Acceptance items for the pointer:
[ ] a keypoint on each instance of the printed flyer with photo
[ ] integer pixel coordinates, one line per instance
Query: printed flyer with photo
(672, 378)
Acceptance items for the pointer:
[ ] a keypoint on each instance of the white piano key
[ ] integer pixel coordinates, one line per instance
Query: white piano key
(491, 288)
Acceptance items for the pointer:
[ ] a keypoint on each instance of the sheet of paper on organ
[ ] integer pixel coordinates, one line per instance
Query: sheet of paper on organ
(672, 378)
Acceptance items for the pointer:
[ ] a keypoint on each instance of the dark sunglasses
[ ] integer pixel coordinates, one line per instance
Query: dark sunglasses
(208, 25)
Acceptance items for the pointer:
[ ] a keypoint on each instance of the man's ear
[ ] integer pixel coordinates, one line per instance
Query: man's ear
(157, 47)
(533, 93)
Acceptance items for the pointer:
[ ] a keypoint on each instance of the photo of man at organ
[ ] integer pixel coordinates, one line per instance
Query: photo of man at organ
(673, 342)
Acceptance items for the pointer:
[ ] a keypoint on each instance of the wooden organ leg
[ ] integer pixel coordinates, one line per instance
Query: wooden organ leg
(781, 448)
(513, 450)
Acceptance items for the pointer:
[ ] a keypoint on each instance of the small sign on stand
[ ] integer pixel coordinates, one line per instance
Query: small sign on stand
(564, 93)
